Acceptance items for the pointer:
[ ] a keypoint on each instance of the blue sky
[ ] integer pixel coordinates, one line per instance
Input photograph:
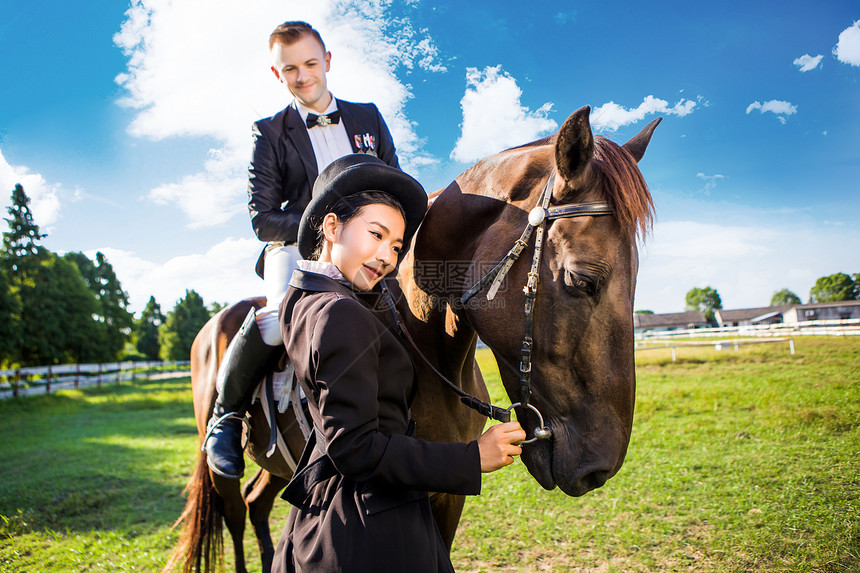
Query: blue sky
(128, 124)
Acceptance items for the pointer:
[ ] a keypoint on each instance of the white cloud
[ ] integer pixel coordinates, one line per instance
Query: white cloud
(847, 49)
(777, 107)
(45, 203)
(494, 119)
(209, 198)
(610, 116)
(746, 264)
(710, 243)
(201, 68)
(807, 62)
(224, 273)
(563, 18)
(710, 181)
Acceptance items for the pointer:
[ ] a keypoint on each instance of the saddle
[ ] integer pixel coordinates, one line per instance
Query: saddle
(276, 392)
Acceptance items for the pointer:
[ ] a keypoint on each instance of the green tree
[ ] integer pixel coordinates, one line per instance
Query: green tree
(784, 297)
(114, 303)
(113, 315)
(87, 269)
(77, 309)
(834, 288)
(177, 333)
(21, 249)
(10, 308)
(216, 307)
(58, 312)
(146, 330)
(705, 299)
(58, 318)
(21, 259)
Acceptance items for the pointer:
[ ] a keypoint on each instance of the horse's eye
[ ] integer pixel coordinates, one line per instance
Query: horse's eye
(578, 284)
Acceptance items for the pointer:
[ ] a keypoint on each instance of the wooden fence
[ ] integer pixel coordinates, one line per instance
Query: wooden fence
(46, 379)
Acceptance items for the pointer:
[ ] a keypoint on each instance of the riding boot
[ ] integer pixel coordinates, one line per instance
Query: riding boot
(247, 359)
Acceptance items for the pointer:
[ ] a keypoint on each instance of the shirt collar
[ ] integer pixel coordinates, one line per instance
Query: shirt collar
(303, 111)
(323, 268)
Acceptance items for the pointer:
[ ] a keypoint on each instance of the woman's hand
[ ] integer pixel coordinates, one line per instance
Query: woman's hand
(498, 445)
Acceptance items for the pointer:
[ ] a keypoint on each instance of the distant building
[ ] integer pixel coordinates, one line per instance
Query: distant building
(643, 323)
(785, 314)
(839, 310)
(789, 314)
(751, 316)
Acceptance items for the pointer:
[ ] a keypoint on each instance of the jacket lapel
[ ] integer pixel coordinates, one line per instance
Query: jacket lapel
(381, 307)
(298, 134)
(353, 127)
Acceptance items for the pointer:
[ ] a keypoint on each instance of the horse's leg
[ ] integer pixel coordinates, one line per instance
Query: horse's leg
(234, 515)
(260, 498)
(447, 509)
(251, 483)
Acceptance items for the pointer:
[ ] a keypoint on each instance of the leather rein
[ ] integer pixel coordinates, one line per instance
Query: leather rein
(538, 218)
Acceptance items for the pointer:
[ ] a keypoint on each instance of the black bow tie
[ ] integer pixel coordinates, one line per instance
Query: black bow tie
(323, 120)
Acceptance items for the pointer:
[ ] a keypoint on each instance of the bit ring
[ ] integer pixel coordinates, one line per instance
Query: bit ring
(542, 432)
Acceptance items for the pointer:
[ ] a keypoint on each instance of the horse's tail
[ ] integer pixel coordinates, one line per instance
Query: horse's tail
(201, 542)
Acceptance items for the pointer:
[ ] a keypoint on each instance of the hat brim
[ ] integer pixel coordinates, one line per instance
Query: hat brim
(357, 173)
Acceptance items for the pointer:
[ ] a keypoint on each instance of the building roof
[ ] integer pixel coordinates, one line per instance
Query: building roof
(828, 304)
(673, 319)
(723, 316)
(766, 316)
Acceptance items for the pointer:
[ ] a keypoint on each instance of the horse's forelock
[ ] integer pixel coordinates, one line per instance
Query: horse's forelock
(624, 187)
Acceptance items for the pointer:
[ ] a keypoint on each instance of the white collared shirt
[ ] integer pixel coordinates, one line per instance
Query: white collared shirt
(330, 142)
(322, 268)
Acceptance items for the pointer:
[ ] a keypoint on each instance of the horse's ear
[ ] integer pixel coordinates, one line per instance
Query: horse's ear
(575, 145)
(637, 146)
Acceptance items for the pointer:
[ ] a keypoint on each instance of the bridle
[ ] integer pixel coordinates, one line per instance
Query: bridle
(538, 218)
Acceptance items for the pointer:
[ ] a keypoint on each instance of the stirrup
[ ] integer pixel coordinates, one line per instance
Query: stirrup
(210, 427)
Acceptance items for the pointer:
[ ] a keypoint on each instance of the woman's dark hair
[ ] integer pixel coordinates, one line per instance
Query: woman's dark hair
(347, 207)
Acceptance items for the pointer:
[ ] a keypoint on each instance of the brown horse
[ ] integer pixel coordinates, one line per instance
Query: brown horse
(582, 377)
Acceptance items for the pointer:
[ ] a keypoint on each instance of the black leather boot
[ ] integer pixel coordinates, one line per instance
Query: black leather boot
(244, 364)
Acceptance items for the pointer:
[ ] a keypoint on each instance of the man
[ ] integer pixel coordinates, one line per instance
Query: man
(290, 149)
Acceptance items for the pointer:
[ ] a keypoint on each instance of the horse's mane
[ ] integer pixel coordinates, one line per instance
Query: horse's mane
(624, 187)
(621, 182)
(550, 139)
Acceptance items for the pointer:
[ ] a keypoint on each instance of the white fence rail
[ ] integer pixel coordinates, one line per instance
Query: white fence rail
(843, 327)
(46, 379)
(718, 345)
(754, 334)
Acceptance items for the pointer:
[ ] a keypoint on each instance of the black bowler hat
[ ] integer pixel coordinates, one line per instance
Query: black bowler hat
(356, 173)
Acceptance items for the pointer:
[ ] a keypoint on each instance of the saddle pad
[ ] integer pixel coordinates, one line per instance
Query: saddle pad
(281, 382)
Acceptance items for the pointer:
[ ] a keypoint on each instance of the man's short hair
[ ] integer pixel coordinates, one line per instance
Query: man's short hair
(289, 33)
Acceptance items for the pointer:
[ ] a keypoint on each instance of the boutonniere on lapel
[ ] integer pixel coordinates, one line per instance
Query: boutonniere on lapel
(366, 141)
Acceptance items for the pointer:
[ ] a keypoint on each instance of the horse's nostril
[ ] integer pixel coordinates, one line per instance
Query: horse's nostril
(596, 479)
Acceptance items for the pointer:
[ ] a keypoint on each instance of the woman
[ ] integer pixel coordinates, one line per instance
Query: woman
(360, 490)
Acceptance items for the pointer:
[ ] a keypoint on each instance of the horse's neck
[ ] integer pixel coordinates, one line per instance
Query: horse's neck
(443, 336)
(448, 239)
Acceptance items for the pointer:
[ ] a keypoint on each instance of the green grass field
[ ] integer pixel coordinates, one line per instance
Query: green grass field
(739, 461)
